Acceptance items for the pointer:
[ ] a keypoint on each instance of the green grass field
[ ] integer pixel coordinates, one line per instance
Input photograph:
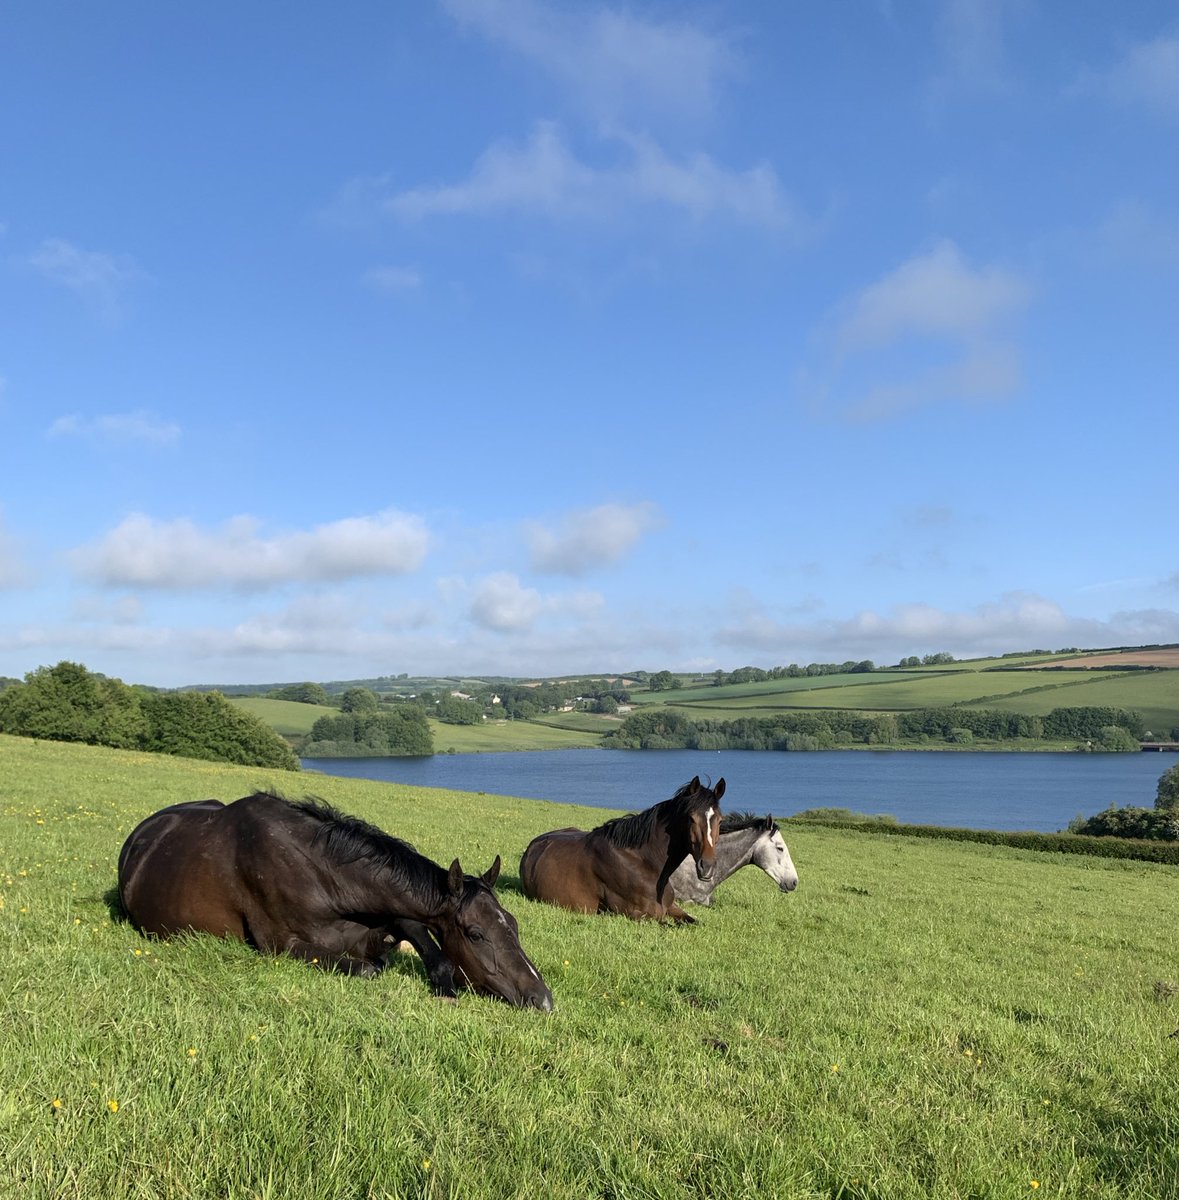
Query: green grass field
(918, 1019)
(284, 716)
(508, 735)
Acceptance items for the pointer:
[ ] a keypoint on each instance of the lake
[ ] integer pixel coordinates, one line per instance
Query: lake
(1040, 792)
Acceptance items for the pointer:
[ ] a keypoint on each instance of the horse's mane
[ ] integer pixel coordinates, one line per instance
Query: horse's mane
(736, 822)
(348, 839)
(636, 829)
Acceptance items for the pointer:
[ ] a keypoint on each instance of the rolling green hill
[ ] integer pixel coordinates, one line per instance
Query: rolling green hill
(1143, 681)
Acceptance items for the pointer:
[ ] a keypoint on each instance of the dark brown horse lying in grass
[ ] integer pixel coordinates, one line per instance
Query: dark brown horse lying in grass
(625, 865)
(305, 880)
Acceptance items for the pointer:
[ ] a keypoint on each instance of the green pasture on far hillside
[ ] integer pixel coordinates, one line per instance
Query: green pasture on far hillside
(918, 1019)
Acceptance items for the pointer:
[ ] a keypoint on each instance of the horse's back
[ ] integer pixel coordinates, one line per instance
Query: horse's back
(175, 872)
(556, 868)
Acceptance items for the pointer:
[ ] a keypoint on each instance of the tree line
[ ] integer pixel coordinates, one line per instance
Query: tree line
(1093, 727)
(68, 703)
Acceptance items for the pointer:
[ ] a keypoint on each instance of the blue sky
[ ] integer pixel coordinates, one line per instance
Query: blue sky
(534, 337)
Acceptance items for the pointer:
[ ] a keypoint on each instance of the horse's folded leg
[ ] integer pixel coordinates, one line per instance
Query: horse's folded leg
(325, 960)
(439, 968)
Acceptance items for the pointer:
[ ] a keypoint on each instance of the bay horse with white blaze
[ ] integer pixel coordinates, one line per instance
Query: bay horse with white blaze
(625, 865)
(302, 879)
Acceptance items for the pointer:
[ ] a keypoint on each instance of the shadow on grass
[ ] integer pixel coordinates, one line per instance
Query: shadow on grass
(114, 906)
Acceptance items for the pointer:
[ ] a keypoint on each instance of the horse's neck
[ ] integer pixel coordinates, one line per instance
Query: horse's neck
(420, 893)
(733, 851)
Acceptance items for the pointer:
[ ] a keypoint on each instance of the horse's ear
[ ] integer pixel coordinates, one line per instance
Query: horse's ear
(719, 790)
(769, 820)
(455, 879)
(694, 786)
(492, 873)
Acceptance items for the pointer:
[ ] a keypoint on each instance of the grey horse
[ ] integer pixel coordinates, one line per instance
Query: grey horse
(743, 839)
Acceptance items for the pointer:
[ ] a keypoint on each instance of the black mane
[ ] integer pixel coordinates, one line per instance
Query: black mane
(347, 839)
(636, 829)
(735, 822)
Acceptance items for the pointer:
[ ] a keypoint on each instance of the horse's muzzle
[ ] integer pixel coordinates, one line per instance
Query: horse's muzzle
(705, 870)
(542, 1000)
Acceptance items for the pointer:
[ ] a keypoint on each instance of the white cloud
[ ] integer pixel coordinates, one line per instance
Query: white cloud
(591, 538)
(502, 603)
(991, 373)
(616, 66)
(139, 426)
(936, 294)
(99, 279)
(178, 555)
(950, 319)
(545, 178)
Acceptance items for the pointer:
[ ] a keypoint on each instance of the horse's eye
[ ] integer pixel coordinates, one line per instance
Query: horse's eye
(475, 935)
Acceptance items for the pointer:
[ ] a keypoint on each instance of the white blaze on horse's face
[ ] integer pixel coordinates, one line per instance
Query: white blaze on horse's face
(704, 829)
(773, 856)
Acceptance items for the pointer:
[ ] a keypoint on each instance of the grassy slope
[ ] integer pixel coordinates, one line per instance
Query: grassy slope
(918, 1019)
(284, 716)
(508, 735)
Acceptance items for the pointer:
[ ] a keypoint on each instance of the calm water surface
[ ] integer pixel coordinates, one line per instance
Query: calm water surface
(979, 791)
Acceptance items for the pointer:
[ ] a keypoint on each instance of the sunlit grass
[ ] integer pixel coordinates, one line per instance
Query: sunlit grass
(918, 1019)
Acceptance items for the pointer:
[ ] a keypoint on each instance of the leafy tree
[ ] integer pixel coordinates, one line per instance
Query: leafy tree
(302, 693)
(1167, 799)
(1114, 737)
(358, 699)
(207, 725)
(453, 710)
(663, 681)
(1130, 822)
(400, 730)
(67, 703)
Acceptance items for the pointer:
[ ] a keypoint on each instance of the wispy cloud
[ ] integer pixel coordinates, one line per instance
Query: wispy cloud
(392, 279)
(1137, 234)
(179, 555)
(1018, 620)
(139, 426)
(591, 538)
(13, 572)
(948, 316)
(101, 280)
(544, 177)
(973, 42)
(1147, 75)
(619, 67)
